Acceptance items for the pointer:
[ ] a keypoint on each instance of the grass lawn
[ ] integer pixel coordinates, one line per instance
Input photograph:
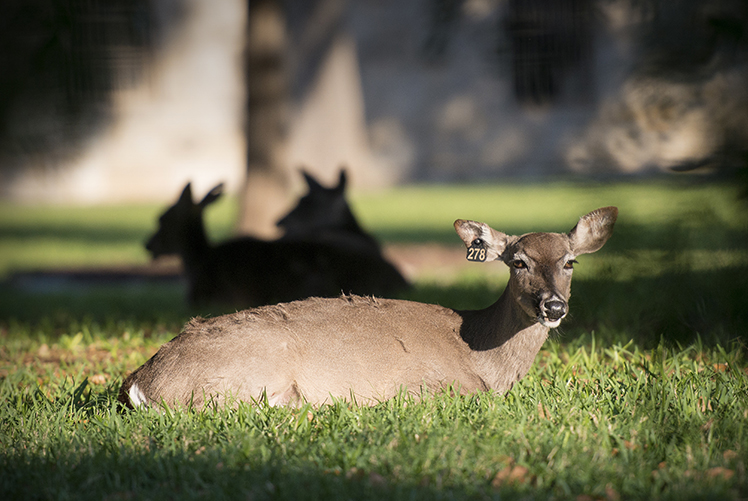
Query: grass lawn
(641, 394)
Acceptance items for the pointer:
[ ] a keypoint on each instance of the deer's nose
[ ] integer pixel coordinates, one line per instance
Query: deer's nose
(554, 309)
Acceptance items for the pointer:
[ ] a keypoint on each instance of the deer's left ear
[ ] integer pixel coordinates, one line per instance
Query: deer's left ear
(479, 235)
(593, 230)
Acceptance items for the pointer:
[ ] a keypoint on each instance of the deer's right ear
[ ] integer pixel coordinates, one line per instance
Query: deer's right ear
(477, 235)
(212, 195)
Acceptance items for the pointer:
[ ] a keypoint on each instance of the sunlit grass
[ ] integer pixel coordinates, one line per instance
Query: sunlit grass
(552, 206)
(37, 237)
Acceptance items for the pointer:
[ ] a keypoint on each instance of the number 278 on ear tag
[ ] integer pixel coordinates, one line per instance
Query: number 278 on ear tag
(476, 251)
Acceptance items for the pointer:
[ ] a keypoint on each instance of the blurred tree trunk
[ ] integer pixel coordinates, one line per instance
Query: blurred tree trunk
(266, 190)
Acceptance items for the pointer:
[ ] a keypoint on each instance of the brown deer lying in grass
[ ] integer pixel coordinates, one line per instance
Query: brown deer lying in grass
(247, 271)
(370, 349)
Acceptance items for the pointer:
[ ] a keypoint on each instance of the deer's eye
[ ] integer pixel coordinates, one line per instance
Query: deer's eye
(570, 264)
(519, 264)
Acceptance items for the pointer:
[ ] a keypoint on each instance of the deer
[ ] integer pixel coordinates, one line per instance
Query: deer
(323, 214)
(248, 271)
(367, 349)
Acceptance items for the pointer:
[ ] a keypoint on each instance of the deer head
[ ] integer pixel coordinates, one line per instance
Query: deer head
(181, 224)
(540, 264)
(320, 209)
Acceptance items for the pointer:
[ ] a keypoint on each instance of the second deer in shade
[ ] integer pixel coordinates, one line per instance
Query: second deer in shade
(323, 215)
(247, 271)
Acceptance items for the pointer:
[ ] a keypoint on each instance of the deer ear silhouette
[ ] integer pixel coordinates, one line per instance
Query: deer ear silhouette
(212, 196)
(342, 180)
(186, 196)
(311, 182)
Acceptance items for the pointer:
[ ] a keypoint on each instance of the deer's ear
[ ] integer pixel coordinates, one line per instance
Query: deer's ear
(212, 196)
(593, 230)
(186, 196)
(311, 181)
(477, 234)
(342, 180)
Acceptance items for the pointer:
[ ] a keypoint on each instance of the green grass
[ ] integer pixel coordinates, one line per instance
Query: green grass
(613, 422)
(426, 213)
(34, 237)
(642, 393)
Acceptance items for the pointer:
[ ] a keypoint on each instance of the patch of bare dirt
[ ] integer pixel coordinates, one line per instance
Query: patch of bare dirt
(415, 260)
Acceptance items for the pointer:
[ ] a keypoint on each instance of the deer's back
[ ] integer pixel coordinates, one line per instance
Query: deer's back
(312, 349)
(251, 272)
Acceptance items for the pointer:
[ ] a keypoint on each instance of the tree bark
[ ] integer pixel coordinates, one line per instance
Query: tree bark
(266, 190)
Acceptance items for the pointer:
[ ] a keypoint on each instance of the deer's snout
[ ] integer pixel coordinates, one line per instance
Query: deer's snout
(152, 246)
(552, 311)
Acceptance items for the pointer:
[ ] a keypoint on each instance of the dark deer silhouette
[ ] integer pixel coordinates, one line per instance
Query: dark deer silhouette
(247, 271)
(370, 349)
(323, 215)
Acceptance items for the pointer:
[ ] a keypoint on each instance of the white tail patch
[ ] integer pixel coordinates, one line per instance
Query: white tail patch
(137, 397)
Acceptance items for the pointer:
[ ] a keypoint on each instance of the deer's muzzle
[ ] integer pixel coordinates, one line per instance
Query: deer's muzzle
(552, 310)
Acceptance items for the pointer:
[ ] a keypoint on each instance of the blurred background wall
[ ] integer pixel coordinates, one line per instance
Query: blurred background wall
(128, 100)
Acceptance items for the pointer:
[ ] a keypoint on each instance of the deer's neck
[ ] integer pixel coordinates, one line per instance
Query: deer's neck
(504, 341)
(195, 246)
